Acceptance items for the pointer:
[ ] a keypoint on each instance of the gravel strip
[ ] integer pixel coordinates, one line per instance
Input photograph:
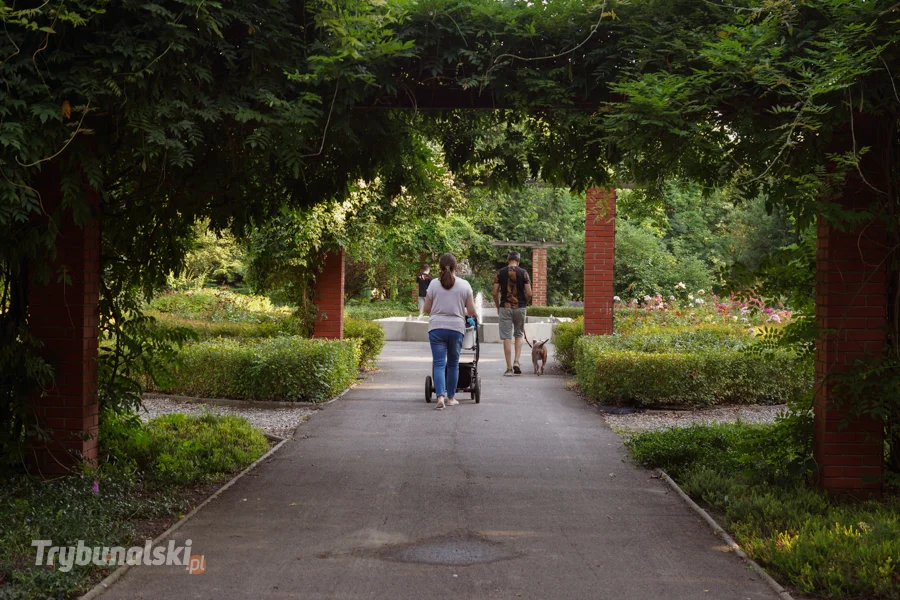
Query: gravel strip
(651, 420)
(275, 421)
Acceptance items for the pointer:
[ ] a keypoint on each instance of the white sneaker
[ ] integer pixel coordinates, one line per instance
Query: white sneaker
(440, 404)
(452, 402)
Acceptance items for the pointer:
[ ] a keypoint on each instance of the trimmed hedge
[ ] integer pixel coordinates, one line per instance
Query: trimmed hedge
(570, 312)
(284, 368)
(207, 330)
(370, 336)
(687, 369)
(564, 337)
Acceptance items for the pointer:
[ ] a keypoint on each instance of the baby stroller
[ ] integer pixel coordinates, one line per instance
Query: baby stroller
(469, 379)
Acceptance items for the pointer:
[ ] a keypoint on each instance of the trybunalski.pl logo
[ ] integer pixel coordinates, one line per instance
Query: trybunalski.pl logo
(65, 557)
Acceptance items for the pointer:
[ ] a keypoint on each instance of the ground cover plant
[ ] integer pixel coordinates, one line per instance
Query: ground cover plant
(755, 478)
(156, 474)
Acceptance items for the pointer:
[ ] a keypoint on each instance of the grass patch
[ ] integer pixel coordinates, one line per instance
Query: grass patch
(752, 477)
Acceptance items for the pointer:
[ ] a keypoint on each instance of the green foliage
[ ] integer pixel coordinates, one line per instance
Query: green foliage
(66, 510)
(206, 330)
(687, 368)
(285, 368)
(535, 212)
(644, 266)
(187, 449)
(213, 255)
(564, 337)
(147, 461)
(218, 306)
(752, 476)
(370, 337)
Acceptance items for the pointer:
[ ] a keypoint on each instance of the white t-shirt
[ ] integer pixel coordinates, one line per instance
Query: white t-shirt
(448, 307)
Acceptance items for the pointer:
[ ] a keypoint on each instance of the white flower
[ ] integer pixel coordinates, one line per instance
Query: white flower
(698, 301)
(616, 299)
(733, 318)
(701, 292)
(672, 298)
(646, 298)
(690, 296)
(680, 286)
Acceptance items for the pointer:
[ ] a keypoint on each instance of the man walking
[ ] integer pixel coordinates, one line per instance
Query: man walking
(512, 291)
(423, 280)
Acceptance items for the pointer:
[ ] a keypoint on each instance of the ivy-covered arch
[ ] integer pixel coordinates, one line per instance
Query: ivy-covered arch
(141, 116)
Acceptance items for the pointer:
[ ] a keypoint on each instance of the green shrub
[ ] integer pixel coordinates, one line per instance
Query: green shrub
(284, 368)
(207, 330)
(370, 336)
(570, 312)
(187, 449)
(687, 368)
(177, 449)
(798, 534)
(564, 337)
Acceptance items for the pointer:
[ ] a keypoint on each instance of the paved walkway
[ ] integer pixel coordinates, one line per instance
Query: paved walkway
(530, 485)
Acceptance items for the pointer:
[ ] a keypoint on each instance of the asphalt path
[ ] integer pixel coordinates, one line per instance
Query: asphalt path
(526, 495)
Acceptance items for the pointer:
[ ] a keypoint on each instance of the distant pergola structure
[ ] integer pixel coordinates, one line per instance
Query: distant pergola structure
(538, 266)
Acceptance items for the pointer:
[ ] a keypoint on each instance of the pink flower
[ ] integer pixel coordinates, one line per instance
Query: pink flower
(96, 488)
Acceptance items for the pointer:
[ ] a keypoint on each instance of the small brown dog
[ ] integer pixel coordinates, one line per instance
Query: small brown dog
(538, 354)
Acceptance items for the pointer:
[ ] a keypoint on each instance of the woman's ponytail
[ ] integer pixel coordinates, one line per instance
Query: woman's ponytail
(448, 266)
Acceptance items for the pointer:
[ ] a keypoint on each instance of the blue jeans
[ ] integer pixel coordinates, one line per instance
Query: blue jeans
(445, 347)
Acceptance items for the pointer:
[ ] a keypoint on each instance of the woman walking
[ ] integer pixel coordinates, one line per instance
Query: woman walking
(448, 302)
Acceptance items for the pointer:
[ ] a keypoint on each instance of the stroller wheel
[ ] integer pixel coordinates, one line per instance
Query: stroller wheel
(429, 389)
(476, 393)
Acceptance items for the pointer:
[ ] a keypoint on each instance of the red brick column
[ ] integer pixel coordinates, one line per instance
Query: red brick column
(330, 298)
(851, 298)
(539, 277)
(65, 317)
(599, 260)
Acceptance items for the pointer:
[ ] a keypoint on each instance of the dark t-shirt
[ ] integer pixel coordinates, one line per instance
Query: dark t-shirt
(512, 282)
(423, 279)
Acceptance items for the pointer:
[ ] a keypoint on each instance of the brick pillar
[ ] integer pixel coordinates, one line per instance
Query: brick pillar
(851, 298)
(539, 277)
(330, 298)
(599, 260)
(65, 317)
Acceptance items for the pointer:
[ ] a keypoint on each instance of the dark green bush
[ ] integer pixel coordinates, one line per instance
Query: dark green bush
(370, 337)
(284, 368)
(570, 312)
(688, 368)
(564, 337)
